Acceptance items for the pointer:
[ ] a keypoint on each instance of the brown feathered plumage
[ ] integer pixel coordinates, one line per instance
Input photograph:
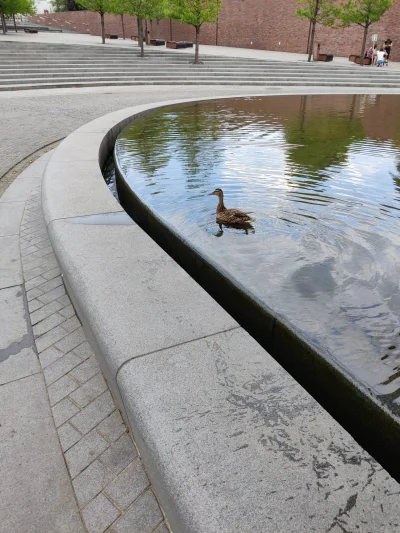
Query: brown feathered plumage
(230, 216)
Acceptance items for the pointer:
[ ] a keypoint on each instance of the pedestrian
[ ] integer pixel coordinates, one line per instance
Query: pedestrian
(369, 54)
(388, 47)
(374, 54)
(381, 58)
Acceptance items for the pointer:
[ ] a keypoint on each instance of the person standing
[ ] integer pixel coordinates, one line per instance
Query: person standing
(388, 47)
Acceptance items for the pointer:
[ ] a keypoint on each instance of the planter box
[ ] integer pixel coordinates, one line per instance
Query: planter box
(157, 42)
(189, 44)
(367, 60)
(176, 44)
(111, 36)
(325, 57)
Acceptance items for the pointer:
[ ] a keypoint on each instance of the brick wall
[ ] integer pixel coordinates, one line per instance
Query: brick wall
(260, 24)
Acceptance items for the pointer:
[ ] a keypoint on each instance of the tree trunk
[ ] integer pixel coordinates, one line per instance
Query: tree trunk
(140, 35)
(146, 33)
(310, 50)
(123, 27)
(15, 24)
(170, 29)
(196, 53)
(103, 38)
(313, 22)
(151, 30)
(366, 27)
(3, 23)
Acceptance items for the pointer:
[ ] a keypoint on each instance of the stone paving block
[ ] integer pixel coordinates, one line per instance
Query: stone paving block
(129, 485)
(10, 262)
(94, 413)
(41, 252)
(28, 250)
(51, 284)
(71, 324)
(162, 529)
(119, 454)
(142, 517)
(33, 273)
(63, 411)
(47, 324)
(50, 338)
(36, 240)
(84, 351)
(85, 452)
(64, 300)
(61, 388)
(68, 436)
(91, 481)
(34, 282)
(89, 391)
(33, 293)
(37, 230)
(54, 272)
(44, 261)
(33, 305)
(99, 514)
(10, 218)
(112, 427)
(52, 295)
(86, 370)
(45, 311)
(71, 341)
(60, 367)
(67, 311)
(48, 356)
(43, 244)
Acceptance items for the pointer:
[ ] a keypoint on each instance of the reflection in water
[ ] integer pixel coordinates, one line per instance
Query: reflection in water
(322, 176)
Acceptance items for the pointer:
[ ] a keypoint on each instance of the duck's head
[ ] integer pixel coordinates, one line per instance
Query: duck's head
(217, 192)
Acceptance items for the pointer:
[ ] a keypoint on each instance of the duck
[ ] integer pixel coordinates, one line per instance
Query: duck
(230, 216)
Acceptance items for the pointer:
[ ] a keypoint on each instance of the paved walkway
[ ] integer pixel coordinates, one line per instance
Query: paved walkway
(225, 51)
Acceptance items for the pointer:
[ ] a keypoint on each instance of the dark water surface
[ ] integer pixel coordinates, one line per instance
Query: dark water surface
(321, 175)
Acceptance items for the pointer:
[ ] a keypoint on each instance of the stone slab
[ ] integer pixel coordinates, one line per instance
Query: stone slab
(36, 169)
(10, 262)
(153, 312)
(19, 190)
(76, 188)
(10, 217)
(233, 444)
(17, 356)
(36, 492)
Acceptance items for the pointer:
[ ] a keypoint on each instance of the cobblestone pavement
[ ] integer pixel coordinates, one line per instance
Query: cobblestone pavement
(111, 486)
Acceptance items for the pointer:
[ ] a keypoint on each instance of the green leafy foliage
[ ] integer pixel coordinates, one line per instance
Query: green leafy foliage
(322, 12)
(99, 6)
(14, 7)
(362, 12)
(195, 12)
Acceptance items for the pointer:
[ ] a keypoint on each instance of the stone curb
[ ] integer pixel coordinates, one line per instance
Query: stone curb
(230, 441)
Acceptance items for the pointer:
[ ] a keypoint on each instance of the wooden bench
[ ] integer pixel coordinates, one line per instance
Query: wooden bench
(189, 44)
(30, 30)
(111, 36)
(323, 57)
(176, 44)
(357, 60)
(157, 42)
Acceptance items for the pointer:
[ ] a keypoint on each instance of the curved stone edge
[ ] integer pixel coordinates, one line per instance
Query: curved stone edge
(231, 442)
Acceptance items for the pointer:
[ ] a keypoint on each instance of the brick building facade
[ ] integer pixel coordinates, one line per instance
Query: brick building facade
(260, 24)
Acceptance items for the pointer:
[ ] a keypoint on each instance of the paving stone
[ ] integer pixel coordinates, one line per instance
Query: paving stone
(129, 485)
(34, 305)
(30, 230)
(68, 436)
(60, 367)
(63, 411)
(162, 529)
(48, 356)
(119, 454)
(43, 244)
(52, 295)
(32, 234)
(61, 388)
(142, 517)
(33, 273)
(112, 427)
(84, 351)
(94, 413)
(64, 300)
(48, 261)
(53, 273)
(50, 338)
(47, 324)
(71, 341)
(89, 391)
(45, 311)
(51, 284)
(37, 240)
(67, 311)
(99, 514)
(28, 250)
(91, 481)
(41, 252)
(84, 452)
(34, 282)
(86, 370)
(33, 293)
(71, 324)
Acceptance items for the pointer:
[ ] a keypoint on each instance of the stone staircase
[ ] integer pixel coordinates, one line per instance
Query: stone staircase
(41, 66)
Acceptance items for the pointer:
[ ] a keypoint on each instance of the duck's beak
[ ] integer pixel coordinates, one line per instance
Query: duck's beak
(212, 193)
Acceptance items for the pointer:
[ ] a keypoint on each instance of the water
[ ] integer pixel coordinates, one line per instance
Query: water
(321, 175)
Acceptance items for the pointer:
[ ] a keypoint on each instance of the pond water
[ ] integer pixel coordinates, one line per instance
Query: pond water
(321, 175)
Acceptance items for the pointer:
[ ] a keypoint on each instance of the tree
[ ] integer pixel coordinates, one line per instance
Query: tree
(363, 13)
(14, 7)
(317, 12)
(118, 8)
(101, 7)
(142, 10)
(195, 13)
